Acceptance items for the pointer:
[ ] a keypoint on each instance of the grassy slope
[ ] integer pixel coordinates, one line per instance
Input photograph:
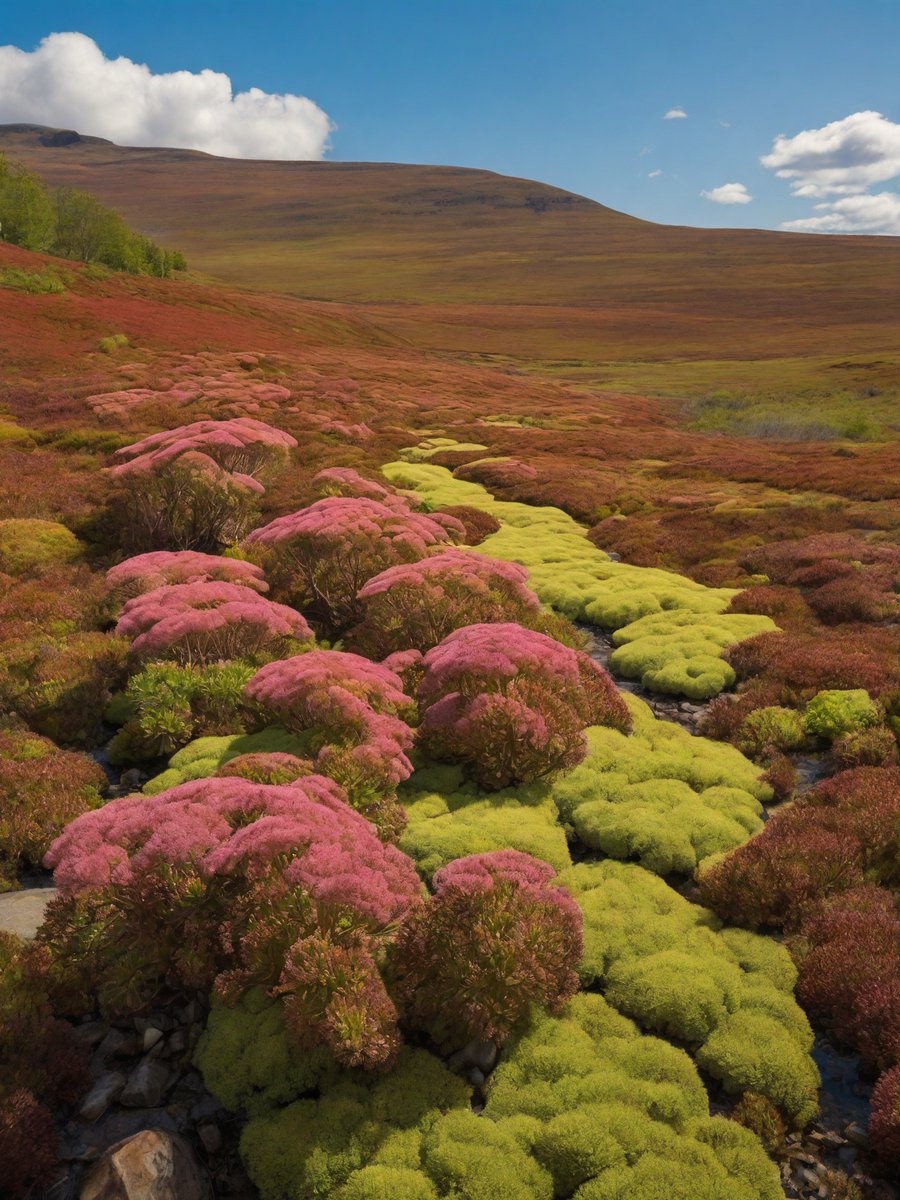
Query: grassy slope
(469, 261)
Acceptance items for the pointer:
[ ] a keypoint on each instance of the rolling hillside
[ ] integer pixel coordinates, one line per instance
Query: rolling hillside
(471, 261)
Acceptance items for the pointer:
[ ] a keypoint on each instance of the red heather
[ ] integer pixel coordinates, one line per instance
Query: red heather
(884, 1124)
(400, 535)
(145, 572)
(232, 828)
(495, 939)
(512, 703)
(207, 622)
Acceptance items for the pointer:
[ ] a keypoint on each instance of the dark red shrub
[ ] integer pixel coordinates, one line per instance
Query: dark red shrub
(477, 524)
(495, 939)
(884, 1124)
(29, 1147)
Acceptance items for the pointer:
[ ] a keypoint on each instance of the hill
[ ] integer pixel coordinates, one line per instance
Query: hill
(468, 260)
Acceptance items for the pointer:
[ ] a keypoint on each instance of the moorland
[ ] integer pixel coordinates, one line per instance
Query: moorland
(449, 659)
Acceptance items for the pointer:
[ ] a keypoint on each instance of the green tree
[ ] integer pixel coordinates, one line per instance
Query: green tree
(26, 213)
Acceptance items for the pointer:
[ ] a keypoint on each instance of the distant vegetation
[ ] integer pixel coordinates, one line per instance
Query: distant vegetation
(73, 224)
(810, 415)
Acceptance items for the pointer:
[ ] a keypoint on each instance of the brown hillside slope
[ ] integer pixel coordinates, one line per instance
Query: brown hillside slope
(468, 260)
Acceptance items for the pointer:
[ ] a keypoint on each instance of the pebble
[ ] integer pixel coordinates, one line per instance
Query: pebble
(106, 1088)
(147, 1084)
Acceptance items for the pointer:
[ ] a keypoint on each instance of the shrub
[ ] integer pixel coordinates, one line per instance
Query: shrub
(238, 885)
(356, 711)
(198, 623)
(494, 940)
(166, 706)
(344, 481)
(41, 789)
(661, 796)
(60, 685)
(849, 974)
(873, 747)
(323, 554)
(477, 525)
(36, 283)
(832, 713)
(186, 503)
(824, 843)
(417, 605)
(884, 1124)
(28, 545)
(29, 1146)
(240, 446)
(761, 1117)
(512, 704)
(146, 572)
(771, 728)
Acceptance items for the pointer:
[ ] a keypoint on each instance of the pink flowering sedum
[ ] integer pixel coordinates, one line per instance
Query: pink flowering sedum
(512, 704)
(208, 622)
(145, 572)
(345, 481)
(231, 884)
(495, 939)
(324, 554)
(416, 605)
(242, 445)
(356, 708)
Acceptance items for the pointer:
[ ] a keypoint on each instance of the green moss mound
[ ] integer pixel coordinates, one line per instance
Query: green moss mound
(202, 757)
(670, 630)
(669, 965)
(661, 796)
(248, 1061)
(32, 545)
(450, 818)
(831, 714)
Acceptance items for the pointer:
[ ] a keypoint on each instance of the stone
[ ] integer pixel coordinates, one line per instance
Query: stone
(146, 1084)
(105, 1089)
(22, 913)
(151, 1165)
(151, 1037)
(476, 1077)
(131, 780)
(857, 1135)
(211, 1138)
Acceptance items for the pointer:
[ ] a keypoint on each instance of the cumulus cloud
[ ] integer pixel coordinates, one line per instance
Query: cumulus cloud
(68, 81)
(654, 174)
(728, 193)
(840, 159)
(675, 114)
(854, 214)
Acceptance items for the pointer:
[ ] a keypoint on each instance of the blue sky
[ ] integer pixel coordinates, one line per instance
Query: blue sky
(570, 92)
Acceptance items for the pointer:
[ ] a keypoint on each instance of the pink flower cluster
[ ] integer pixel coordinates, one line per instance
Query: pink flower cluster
(352, 704)
(344, 481)
(239, 446)
(232, 828)
(512, 703)
(416, 605)
(144, 572)
(207, 622)
(401, 535)
(482, 872)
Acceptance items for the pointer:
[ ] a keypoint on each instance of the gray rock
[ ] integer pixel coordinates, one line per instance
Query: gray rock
(476, 1077)
(146, 1085)
(131, 780)
(152, 1165)
(106, 1088)
(151, 1037)
(211, 1138)
(857, 1135)
(22, 913)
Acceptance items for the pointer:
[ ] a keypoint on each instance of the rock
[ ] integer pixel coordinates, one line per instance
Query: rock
(151, 1165)
(106, 1088)
(151, 1037)
(22, 913)
(131, 780)
(146, 1085)
(847, 1156)
(476, 1077)
(211, 1138)
(92, 1032)
(857, 1135)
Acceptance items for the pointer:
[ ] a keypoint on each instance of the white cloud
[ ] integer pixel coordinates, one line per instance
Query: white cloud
(675, 114)
(725, 124)
(843, 158)
(728, 193)
(644, 150)
(654, 174)
(68, 81)
(854, 214)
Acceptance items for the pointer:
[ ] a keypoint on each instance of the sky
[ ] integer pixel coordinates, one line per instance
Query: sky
(750, 113)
